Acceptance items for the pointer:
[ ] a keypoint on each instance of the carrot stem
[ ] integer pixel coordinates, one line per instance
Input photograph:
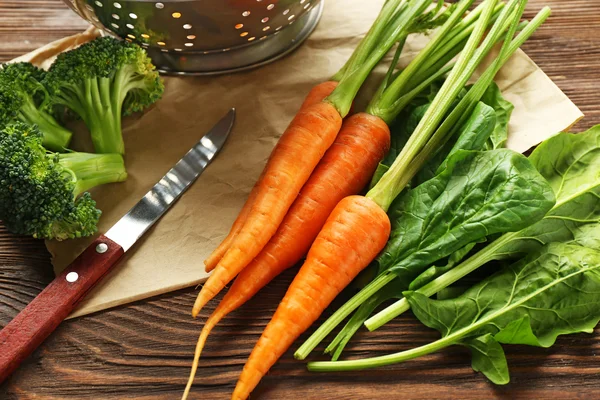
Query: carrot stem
(389, 10)
(343, 96)
(381, 106)
(453, 46)
(462, 111)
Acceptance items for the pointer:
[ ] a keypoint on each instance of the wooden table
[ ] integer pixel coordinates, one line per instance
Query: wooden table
(144, 350)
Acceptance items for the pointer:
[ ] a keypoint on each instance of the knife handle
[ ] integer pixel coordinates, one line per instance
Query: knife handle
(43, 315)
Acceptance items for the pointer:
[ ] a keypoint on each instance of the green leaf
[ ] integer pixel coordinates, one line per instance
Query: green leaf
(451, 292)
(571, 164)
(476, 195)
(518, 331)
(488, 358)
(400, 132)
(471, 136)
(555, 291)
(503, 108)
(433, 272)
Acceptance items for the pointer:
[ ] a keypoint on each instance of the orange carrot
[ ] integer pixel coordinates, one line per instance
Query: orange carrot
(211, 262)
(345, 169)
(296, 155)
(317, 94)
(355, 232)
(303, 144)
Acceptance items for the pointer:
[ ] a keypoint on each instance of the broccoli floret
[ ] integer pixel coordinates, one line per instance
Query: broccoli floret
(43, 194)
(101, 81)
(23, 97)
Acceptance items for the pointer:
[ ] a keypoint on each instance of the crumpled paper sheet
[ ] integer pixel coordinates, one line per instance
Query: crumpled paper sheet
(170, 256)
(45, 55)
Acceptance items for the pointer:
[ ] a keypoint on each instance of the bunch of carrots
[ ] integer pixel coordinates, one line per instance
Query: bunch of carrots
(305, 203)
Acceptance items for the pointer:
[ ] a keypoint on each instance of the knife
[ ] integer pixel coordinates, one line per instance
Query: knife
(43, 315)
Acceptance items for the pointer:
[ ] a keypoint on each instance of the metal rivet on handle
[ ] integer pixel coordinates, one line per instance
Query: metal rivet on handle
(101, 248)
(72, 277)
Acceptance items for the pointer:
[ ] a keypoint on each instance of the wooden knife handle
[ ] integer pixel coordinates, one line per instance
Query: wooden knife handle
(41, 317)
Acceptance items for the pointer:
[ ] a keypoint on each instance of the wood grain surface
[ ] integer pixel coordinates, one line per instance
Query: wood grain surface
(144, 350)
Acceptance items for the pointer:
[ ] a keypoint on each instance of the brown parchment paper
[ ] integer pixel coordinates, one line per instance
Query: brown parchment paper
(171, 255)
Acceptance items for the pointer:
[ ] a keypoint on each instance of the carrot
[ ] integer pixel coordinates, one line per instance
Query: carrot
(211, 262)
(345, 169)
(317, 94)
(297, 153)
(304, 143)
(358, 227)
(330, 266)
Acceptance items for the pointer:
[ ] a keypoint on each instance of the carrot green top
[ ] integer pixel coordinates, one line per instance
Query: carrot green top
(396, 19)
(394, 181)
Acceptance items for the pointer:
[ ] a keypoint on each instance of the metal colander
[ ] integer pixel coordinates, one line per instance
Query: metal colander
(206, 36)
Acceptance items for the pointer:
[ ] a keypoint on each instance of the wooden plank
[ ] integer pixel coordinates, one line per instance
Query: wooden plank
(143, 350)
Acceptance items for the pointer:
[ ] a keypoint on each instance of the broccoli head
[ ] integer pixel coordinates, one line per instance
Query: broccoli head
(23, 97)
(42, 194)
(102, 80)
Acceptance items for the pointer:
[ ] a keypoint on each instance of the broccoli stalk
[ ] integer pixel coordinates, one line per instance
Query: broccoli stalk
(91, 170)
(43, 194)
(24, 98)
(102, 80)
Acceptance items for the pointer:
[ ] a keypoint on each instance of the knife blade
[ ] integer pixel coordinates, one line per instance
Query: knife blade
(43, 315)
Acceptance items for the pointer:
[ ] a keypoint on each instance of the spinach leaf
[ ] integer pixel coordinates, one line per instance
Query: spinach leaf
(503, 108)
(553, 292)
(473, 135)
(570, 163)
(401, 130)
(451, 292)
(433, 272)
(476, 195)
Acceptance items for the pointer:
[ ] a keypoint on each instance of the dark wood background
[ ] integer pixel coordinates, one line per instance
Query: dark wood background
(144, 350)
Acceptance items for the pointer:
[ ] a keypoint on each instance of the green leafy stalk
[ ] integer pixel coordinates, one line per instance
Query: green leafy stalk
(343, 95)
(336, 347)
(379, 104)
(453, 43)
(518, 305)
(423, 71)
(390, 10)
(388, 188)
(461, 112)
(435, 72)
(337, 317)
